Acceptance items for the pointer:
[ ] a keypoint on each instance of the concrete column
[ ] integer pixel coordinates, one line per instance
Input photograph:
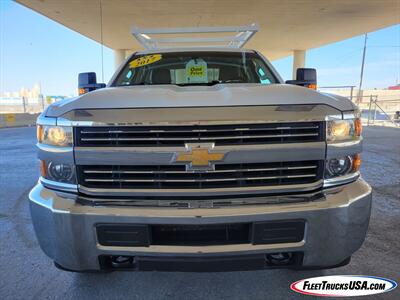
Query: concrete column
(128, 53)
(119, 57)
(299, 61)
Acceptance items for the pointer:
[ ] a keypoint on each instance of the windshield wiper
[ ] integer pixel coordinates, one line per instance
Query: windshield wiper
(199, 83)
(213, 82)
(238, 80)
(149, 83)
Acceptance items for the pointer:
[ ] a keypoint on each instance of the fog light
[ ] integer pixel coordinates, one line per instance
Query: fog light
(338, 166)
(60, 172)
(279, 259)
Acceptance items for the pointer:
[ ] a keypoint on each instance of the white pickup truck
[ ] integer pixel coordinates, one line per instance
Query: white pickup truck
(200, 159)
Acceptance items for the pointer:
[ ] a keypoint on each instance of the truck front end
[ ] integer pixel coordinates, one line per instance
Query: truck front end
(220, 176)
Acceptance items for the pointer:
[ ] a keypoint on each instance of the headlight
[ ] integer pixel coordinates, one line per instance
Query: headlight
(343, 130)
(54, 135)
(342, 166)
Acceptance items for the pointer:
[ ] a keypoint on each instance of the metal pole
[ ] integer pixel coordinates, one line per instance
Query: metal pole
(376, 98)
(102, 42)
(24, 103)
(351, 93)
(369, 110)
(42, 100)
(362, 68)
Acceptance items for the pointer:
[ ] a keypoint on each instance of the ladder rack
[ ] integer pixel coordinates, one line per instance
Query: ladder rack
(239, 36)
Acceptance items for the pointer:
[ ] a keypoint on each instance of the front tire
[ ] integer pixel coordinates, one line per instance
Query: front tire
(341, 264)
(60, 267)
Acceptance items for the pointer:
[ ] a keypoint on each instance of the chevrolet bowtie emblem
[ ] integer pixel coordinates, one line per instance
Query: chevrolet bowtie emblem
(199, 158)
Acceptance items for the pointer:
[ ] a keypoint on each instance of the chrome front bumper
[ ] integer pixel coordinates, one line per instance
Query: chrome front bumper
(336, 225)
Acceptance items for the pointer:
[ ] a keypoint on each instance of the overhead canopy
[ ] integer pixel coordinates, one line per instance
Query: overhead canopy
(285, 25)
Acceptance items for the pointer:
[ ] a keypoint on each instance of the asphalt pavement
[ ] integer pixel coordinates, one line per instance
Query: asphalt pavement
(26, 273)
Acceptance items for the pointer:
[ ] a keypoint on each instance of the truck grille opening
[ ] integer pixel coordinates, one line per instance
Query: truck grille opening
(178, 135)
(192, 235)
(257, 233)
(176, 176)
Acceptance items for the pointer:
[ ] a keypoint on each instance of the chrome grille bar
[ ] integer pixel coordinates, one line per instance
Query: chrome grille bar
(178, 135)
(205, 171)
(176, 177)
(194, 130)
(197, 180)
(201, 138)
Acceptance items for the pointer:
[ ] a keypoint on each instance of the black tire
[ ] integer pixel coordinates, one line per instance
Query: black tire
(60, 267)
(342, 264)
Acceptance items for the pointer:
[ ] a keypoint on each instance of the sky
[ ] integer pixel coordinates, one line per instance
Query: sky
(35, 49)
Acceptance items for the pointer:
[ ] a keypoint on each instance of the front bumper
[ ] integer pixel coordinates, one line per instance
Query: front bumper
(336, 225)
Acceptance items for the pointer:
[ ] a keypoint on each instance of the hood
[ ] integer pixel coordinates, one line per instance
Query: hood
(160, 96)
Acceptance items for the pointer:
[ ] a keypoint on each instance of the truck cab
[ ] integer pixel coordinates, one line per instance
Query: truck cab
(200, 159)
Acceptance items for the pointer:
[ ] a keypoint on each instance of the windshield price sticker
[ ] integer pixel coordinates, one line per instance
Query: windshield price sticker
(144, 60)
(196, 71)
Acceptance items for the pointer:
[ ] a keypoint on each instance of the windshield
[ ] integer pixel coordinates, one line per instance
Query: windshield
(195, 68)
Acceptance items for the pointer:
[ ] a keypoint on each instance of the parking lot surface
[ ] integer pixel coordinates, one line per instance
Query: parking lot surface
(26, 273)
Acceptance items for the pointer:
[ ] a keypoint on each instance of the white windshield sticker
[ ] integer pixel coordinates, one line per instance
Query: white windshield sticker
(196, 71)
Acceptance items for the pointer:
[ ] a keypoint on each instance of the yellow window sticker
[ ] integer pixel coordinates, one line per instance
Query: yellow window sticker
(144, 60)
(197, 71)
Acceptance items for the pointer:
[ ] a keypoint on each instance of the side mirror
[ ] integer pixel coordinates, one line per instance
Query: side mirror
(306, 77)
(87, 82)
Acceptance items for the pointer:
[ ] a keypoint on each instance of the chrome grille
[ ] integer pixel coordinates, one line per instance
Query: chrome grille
(176, 176)
(178, 135)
